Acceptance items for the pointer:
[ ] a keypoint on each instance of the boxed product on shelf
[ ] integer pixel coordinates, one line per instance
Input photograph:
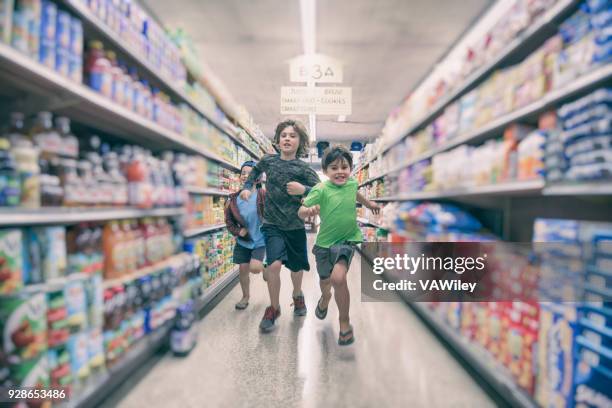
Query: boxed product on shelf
(12, 260)
(23, 326)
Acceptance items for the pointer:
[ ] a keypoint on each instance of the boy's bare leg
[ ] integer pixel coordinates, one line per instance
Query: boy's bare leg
(244, 281)
(341, 293)
(273, 276)
(326, 294)
(296, 278)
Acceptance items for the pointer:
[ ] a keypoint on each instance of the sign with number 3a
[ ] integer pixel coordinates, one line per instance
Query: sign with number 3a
(315, 68)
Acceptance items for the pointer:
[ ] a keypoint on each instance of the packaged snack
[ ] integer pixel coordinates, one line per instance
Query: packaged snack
(23, 326)
(59, 367)
(96, 350)
(52, 241)
(75, 45)
(11, 260)
(76, 304)
(32, 373)
(62, 36)
(48, 22)
(6, 19)
(78, 347)
(57, 320)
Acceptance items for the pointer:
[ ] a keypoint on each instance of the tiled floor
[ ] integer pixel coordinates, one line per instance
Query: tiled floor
(395, 360)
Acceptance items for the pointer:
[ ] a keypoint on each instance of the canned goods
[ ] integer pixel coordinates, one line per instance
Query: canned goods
(61, 61)
(75, 68)
(46, 54)
(48, 21)
(62, 34)
(76, 37)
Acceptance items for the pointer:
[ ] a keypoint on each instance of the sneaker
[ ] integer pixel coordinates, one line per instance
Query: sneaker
(270, 316)
(299, 306)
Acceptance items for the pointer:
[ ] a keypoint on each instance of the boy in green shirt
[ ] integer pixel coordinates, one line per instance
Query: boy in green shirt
(334, 200)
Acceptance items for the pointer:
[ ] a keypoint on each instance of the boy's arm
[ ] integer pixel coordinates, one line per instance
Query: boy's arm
(305, 212)
(298, 189)
(255, 173)
(312, 179)
(375, 208)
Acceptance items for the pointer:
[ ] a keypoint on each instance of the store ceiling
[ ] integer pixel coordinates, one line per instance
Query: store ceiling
(387, 47)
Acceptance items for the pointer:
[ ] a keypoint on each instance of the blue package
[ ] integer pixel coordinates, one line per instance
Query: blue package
(62, 33)
(602, 95)
(75, 68)
(551, 230)
(594, 112)
(48, 21)
(595, 156)
(76, 303)
(76, 38)
(603, 53)
(575, 27)
(78, 347)
(588, 144)
(61, 61)
(596, 335)
(601, 20)
(596, 6)
(46, 53)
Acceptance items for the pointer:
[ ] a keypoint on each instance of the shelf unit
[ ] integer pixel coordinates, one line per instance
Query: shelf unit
(207, 191)
(89, 107)
(534, 34)
(583, 83)
(530, 187)
(202, 230)
(92, 22)
(103, 385)
(64, 216)
(142, 271)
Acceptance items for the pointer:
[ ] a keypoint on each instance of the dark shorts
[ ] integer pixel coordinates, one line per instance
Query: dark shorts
(244, 255)
(290, 247)
(326, 258)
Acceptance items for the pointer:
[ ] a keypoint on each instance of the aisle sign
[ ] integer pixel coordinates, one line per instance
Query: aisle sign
(301, 100)
(315, 68)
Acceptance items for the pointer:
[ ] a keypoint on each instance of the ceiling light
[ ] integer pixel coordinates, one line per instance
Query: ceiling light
(342, 118)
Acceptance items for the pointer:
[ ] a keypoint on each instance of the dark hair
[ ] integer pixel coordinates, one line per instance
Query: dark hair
(334, 153)
(302, 150)
(248, 163)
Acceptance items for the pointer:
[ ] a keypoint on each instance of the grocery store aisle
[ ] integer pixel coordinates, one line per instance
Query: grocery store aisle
(395, 361)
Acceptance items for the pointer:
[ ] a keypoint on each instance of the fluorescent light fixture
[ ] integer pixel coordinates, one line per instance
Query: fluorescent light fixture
(308, 15)
(342, 118)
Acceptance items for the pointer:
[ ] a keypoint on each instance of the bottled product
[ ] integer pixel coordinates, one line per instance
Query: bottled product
(118, 89)
(71, 182)
(51, 191)
(69, 142)
(10, 184)
(26, 158)
(114, 250)
(99, 70)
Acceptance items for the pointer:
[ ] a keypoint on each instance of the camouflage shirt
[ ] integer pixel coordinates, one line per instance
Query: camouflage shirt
(280, 208)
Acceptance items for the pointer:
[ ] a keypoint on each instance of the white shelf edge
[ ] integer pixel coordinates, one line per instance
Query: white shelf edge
(366, 221)
(207, 191)
(198, 231)
(584, 81)
(63, 216)
(586, 188)
(514, 187)
(213, 290)
(33, 68)
(85, 14)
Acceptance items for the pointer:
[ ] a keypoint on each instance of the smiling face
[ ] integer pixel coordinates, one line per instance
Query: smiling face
(338, 171)
(244, 173)
(289, 141)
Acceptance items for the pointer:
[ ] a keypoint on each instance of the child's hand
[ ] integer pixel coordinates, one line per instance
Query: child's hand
(245, 194)
(314, 210)
(294, 188)
(372, 206)
(243, 232)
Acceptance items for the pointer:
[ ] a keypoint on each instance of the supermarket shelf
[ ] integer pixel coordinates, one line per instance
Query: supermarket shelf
(212, 291)
(207, 191)
(62, 215)
(368, 222)
(89, 107)
(485, 365)
(531, 35)
(54, 284)
(514, 188)
(143, 271)
(198, 231)
(372, 179)
(93, 22)
(587, 188)
(583, 83)
(104, 384)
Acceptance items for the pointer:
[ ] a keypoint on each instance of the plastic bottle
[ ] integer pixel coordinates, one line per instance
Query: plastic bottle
(45, 137)
(26, 158)
(118, 87)
(129, 247)
(10, 185)
(139, 184)
(99, 69)
(114, 260)
(51, 191)
(139, 244)
(89, 193)
(137, 92)
(146, 100)
(69, 142)
(128, 87)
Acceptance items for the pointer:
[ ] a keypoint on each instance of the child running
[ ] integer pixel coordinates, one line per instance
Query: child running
(243, 220)
(334, 200)
(289, 179)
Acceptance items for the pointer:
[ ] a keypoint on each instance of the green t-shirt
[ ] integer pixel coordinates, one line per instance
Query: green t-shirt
(338, 212)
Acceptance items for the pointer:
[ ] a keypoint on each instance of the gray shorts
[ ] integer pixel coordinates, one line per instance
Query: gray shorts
(326, 258)
(243, 255)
